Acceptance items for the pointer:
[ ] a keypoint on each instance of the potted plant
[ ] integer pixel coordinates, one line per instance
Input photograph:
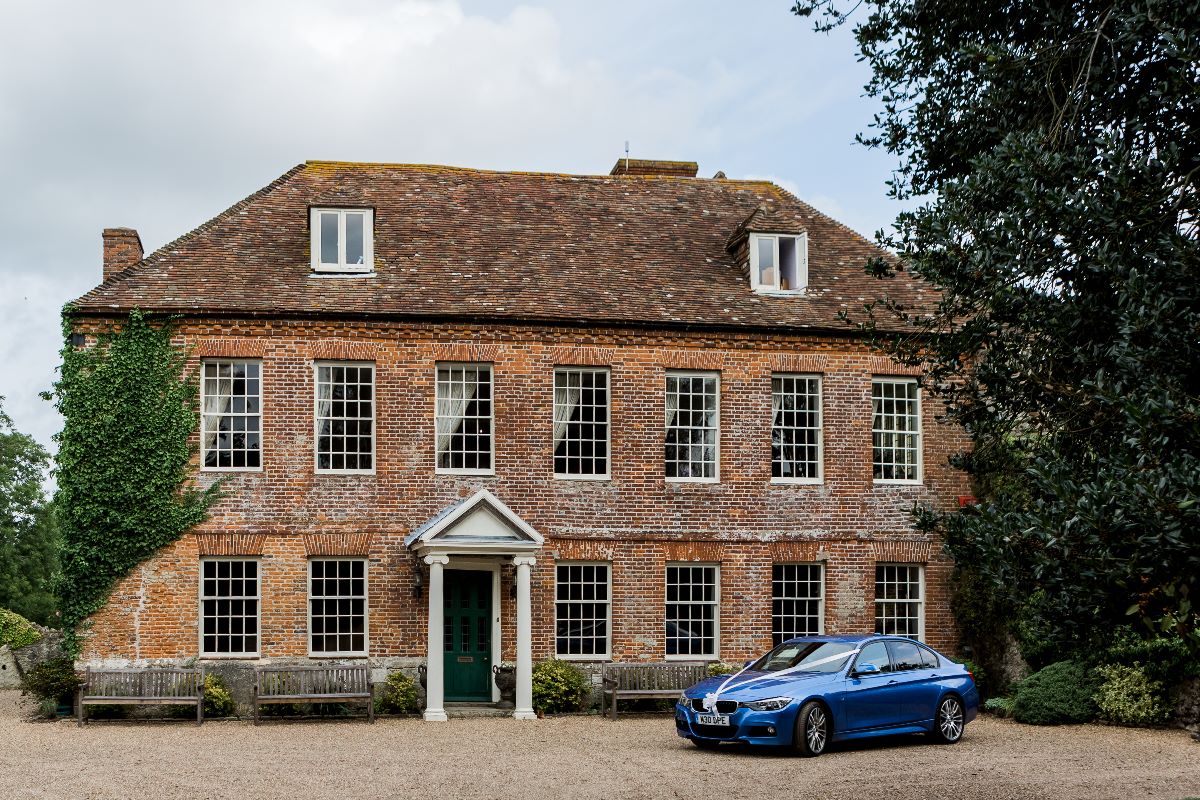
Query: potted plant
(506, 681)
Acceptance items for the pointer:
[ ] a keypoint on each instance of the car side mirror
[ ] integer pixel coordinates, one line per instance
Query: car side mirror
(866, 669)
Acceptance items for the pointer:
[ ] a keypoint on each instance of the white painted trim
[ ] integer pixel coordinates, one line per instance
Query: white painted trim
(684, 373)
(200, 610)
(314, 228)
(607, 655)
(492, 405)
(366, 651)
(608, 459)
(483, 496)
(820, 379)
(801, 263)
(316, 373)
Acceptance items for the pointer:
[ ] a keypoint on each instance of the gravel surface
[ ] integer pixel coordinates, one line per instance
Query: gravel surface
(572, 757)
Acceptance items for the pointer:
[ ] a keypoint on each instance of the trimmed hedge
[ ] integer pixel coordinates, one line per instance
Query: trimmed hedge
(559, 686)
(1060, 694)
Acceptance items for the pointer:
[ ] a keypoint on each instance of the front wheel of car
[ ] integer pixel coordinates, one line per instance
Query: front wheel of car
(949, 721)
(812, 729)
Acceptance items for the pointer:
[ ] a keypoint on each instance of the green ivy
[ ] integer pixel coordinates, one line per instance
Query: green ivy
(124, 459)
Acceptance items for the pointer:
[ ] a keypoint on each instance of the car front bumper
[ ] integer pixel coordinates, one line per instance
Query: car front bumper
(752, 727)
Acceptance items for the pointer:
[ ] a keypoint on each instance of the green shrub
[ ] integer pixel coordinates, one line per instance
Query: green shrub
(1127, 697)
(218, 701)
(716, 668)
(558, 686)
(1164, 659)
(399, 695)
(981, 677)
(1000, 706)
(16, 631)
(52, 680)
(1059, 694)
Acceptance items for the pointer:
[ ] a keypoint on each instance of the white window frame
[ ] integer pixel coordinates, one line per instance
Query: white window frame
(715, 655)
(820, 597)
(607, 372)
(317, 420)
(920, 602)
(918, 432)
(438, 469)
(801, 263)
(607, 654)
(314, 228)
(686, 373)
(820, 478)
(366, 598)
(200, 598)
(262, 438)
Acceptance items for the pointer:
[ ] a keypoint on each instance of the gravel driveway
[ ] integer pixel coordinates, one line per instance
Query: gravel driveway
(572, 757)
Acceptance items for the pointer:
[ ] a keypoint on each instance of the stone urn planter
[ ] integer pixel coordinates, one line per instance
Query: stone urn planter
(506, 682)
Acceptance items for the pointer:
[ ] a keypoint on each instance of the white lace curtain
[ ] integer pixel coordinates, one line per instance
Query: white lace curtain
(216, 404)
(451, 409)
(566, 401)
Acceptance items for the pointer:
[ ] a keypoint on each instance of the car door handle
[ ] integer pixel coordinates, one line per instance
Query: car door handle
(889, 683)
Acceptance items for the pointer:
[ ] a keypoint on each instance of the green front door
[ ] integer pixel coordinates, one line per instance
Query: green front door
(468, 634)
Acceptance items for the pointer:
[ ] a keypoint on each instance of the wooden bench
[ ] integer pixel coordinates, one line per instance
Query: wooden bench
(647, 681)
(313, 684)
(152, 686)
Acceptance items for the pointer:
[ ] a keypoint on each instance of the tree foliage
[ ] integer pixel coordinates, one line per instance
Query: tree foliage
(1050, 153)
(124, 458)
(28, 534)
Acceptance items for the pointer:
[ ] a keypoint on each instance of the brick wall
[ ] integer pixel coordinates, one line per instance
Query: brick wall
(636, 520)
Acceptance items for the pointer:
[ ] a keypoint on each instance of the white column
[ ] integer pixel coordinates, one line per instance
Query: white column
(524, 709)
(436, 662)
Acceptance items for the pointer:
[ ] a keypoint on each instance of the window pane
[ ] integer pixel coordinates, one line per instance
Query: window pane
(796, 601)
(344, 431)
(329, 238)
(463, 414)
(692, 432)
(789, 263)
(796, 428)
(354, 237)
(337, 605)
(581, 611)
(691, 610)
(231, 417)
(898, 603)
(229, 607)
(895, 430)
(767, 275)
(581, 422)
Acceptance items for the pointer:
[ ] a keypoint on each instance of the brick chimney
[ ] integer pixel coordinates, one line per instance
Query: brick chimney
(642, 166)
(122, 249)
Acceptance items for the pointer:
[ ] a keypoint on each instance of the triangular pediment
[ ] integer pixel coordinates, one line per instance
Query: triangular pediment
(479, 522)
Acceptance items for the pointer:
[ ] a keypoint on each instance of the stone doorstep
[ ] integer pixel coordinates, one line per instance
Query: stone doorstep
(475, 710)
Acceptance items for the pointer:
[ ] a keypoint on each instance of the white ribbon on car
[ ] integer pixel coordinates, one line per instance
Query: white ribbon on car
(710, 700)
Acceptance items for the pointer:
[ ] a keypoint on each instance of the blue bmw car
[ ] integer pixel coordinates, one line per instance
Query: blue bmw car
(811, 691)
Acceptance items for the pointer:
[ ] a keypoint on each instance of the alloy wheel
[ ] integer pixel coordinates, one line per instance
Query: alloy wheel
(950, 719)
(814, 730)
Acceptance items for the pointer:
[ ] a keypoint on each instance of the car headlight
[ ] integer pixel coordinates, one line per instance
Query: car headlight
(683, 699)
(770, 704)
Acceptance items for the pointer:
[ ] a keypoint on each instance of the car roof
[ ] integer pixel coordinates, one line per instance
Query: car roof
(854, 638)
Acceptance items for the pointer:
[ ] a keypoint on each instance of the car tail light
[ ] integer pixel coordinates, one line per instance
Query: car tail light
(972, 675)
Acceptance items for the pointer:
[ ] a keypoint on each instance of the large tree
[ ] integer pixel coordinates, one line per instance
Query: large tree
(28, 534)
(1050, 153)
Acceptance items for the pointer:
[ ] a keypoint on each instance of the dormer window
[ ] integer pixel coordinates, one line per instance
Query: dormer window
(778, 262)
(342, 239)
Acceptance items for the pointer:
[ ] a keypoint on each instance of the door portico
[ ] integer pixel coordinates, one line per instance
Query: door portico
(478, 533)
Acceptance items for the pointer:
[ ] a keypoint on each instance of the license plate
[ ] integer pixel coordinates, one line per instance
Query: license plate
(712, 719)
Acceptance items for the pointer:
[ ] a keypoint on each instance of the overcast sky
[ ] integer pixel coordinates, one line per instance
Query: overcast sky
(159, 115)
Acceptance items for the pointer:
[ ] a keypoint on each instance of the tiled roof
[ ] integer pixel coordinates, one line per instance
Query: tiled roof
(454, 244)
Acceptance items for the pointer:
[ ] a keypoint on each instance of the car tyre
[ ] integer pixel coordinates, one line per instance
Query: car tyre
(706, 744)
(950, 721)
(812, 730)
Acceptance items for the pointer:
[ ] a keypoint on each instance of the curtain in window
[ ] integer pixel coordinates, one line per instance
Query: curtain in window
(672, 402)
(451, 409)
(777, 435)
(566, 401)
(215, 405)
(324, 401)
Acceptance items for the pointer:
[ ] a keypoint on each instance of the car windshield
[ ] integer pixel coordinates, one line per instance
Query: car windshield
(806, 656)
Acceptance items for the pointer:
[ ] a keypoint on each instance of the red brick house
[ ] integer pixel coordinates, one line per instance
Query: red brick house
(536, 415)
